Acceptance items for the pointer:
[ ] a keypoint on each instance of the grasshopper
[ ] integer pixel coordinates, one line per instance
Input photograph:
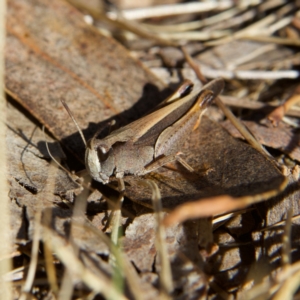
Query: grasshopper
(149, 142)
(153, 140)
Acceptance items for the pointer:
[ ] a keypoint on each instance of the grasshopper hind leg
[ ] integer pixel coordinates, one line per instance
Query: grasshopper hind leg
(165, 160)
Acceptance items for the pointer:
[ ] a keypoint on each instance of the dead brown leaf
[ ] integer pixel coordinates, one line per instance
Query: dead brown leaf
(51, 53)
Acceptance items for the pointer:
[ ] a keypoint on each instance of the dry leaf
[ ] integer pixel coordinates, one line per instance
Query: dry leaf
(51, 53)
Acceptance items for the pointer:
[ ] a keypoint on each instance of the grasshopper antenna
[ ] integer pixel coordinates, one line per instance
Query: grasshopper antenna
(71, 175)
(73, 119)
(51, 156)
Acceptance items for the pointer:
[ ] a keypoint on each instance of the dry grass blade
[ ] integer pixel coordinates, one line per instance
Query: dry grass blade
(5, 248)
(281, 223)
(272, 39)
(47, 192)
(122, 23)
(194, 35)
(250, 75)
(255, 28)
(288, 288)
(196, 24)
(223, 218)
(166, 274)
(288, 280)
(227, 19)
(244, 131)
(120, 260)
(65, 252)
(34, 257)
(286, 240)
(217, 205)
(169, 10)
(78, 215)
(50, 269)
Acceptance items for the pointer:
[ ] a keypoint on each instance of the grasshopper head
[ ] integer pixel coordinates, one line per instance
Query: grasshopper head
(98, 159)
(97, 162)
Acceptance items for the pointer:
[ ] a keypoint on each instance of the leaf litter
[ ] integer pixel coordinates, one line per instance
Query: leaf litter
(59, 56)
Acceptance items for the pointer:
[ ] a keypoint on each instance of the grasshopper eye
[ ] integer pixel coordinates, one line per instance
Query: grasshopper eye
(103, 153)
